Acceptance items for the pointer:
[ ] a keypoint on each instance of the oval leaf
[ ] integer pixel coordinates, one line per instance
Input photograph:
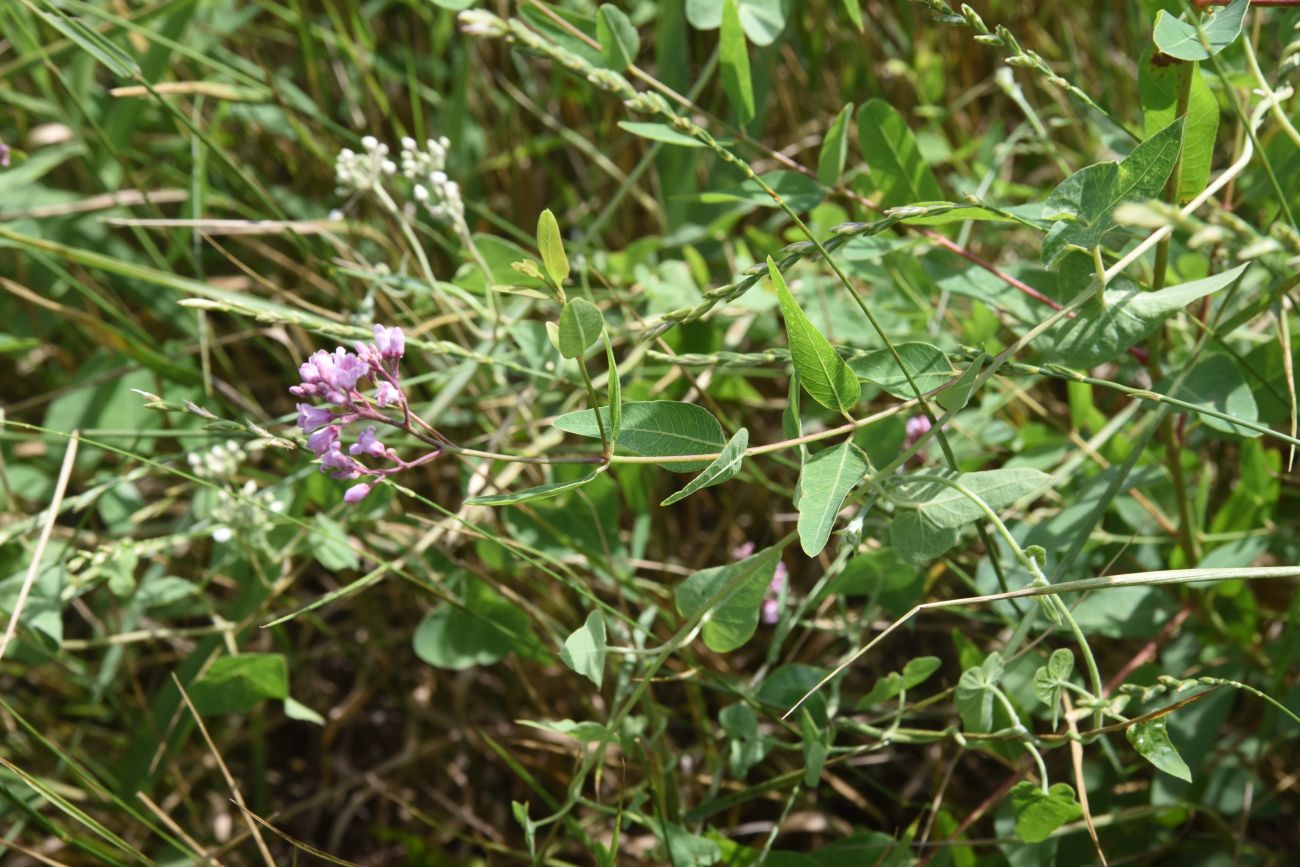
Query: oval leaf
(1215, 32)
(656, 428)
(1151, 740)
(580, 326)
(729, 597)
(585, 650)
(825, 481)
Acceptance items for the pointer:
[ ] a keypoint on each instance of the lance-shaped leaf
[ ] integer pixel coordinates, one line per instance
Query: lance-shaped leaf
(723, 468)
(1039, 813)
(825, 375)
(945, 506)
(735, 62)
(1158, 84)
(540, 492)
(894, 157)
(825, 481)
(1084, 203)
(581, 325)
(1216, 31)
(732, 596)
(835, 148)
(1151, 740)
(585, 649)
(1101, 331)
(655, 428)
(551, 246)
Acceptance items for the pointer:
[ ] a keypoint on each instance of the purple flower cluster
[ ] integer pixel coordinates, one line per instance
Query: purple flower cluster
(341, 380)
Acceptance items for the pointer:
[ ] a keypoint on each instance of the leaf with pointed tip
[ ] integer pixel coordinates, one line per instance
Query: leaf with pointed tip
(1158, 86)
(540, 492)
(948, 507)
(825, 481)
(551, 246)
(959, 394)
(585, 649)
(894, 157)
(732, 614)
(581, 324)
(1101, 332)
(1083, 204)
(660, 132)
(735, 62)
(1039, 813)
(927, 364)
(1216, 383)
(824, 374)
(1151, 740)
(835, 148)
(1184, 41)
(655, 428)
(617, 37)
(724, 467)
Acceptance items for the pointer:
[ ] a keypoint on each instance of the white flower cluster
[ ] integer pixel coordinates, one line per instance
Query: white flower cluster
(220, 462)
(362, 172)
(249, 514)
(426, 167)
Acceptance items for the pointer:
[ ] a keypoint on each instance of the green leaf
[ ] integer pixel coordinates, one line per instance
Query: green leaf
(816, 747)
(655, 428)
(799, 191)
(854, 11)
(724, 467)
(916, 672)
(746, 747)
(1158, 85)
(835, 148)
(735, 63)
(1215, 32)
(581, 325)
(975, 695)
(825, 481)
(1039, 813)
(540, 492)
(947, 507)
(763, 20)
(237, 684)
(732, 616)
(660, 132)
(1216, 383)
(1151, 740)
(824, 374)
(294, 709)
(918, 540)
(615, 391)
(1101, 331)
(331, 547)
(959, 394)
(483, 630)
(617, 36)
(1083, 204)
(1051, 679)
(927, 364)
(551, 246)
(894, 157)
(585, 650)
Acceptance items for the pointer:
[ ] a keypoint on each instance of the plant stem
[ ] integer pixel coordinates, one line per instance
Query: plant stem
(606, 446)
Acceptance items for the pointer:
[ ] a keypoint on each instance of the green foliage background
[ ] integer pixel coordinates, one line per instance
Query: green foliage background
(421, 680)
